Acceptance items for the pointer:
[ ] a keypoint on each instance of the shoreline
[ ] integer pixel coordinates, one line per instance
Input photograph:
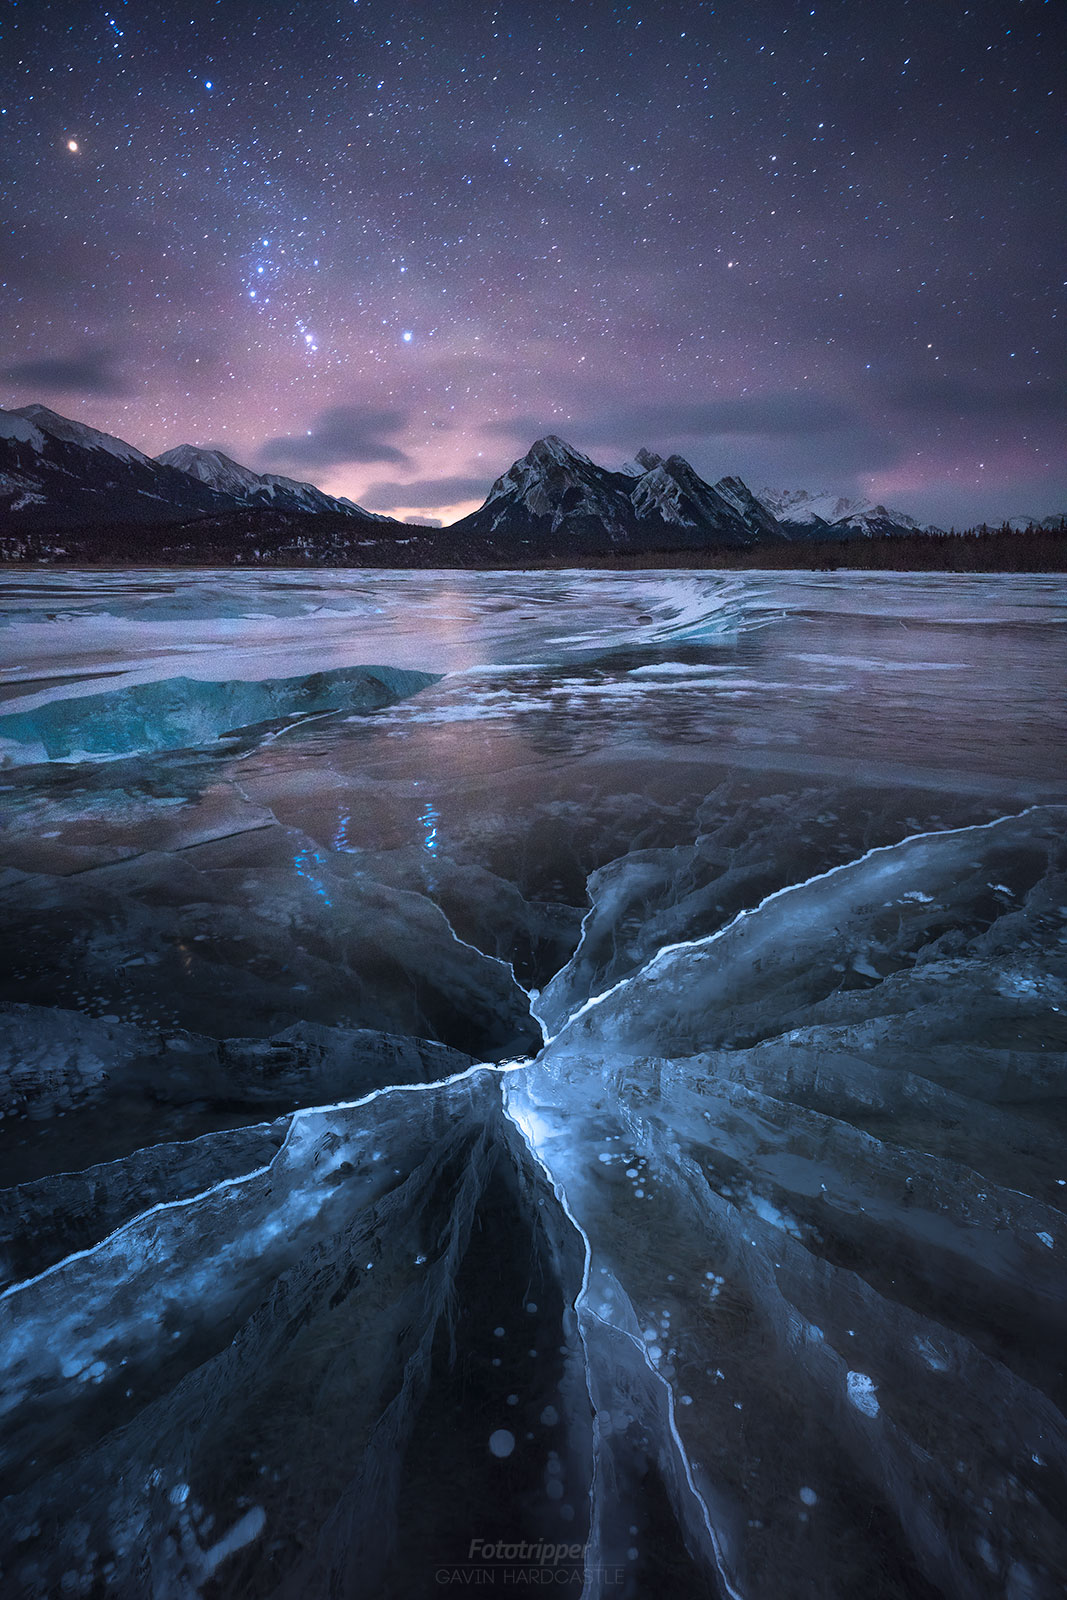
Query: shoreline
(1033, 551)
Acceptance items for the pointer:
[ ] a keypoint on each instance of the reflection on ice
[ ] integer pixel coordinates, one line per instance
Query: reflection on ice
(608, 1096)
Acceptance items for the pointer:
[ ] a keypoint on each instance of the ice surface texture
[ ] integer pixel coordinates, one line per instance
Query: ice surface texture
(528, 1108)
(736, 1132)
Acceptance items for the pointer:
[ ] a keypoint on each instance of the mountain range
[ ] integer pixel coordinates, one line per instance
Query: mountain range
(248, 488)
(68, 491)
(555, 492)
(58, 473)
(825, 515)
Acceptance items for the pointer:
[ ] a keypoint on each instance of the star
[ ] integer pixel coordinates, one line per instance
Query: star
(767, 252)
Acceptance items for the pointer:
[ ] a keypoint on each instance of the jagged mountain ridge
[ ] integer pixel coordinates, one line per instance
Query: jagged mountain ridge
(556, 492)
(1048, 524)
(821, 514)
(248, 488)
(69, 492)
(59, 474)
(62, 475)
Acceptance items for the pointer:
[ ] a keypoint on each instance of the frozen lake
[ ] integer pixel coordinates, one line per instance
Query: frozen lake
(495, 1062)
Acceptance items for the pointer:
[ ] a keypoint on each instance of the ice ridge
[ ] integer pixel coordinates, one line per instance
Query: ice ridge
(181, 713)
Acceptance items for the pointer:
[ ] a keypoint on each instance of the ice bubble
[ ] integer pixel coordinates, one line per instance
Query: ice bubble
(933, 1357)
(501, 1443)
(550, 1416)
(809, 1497)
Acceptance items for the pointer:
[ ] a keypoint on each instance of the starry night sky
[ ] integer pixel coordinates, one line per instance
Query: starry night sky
(383, 249)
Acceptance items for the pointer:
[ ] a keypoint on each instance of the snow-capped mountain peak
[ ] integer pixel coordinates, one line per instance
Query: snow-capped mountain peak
(549, 472)
(1055, 519)
(670, 489)
(61, 473)
(20, 430)
(754, 513)
(211, 467)
(222, 473)
(643, 462)
(79, 433)
(811, 505)
(822, 509)
(674, 491)
(555, 488)
(58, 472)
(557, 452)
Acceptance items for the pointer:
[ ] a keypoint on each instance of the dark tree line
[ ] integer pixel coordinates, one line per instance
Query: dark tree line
(257, 539)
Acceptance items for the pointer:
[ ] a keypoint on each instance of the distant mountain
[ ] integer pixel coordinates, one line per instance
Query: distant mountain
(71, 493)
(824, 515)
(248, 488)
(59, 473)
(556, 498)
(62, 480)
(1049, 524)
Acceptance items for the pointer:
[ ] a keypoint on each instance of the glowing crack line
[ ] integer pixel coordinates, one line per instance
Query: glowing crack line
(583, 1308)
(238, 1182)
(788, 889)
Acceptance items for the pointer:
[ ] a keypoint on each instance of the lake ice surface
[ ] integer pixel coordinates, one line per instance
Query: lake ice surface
(517, 1062)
